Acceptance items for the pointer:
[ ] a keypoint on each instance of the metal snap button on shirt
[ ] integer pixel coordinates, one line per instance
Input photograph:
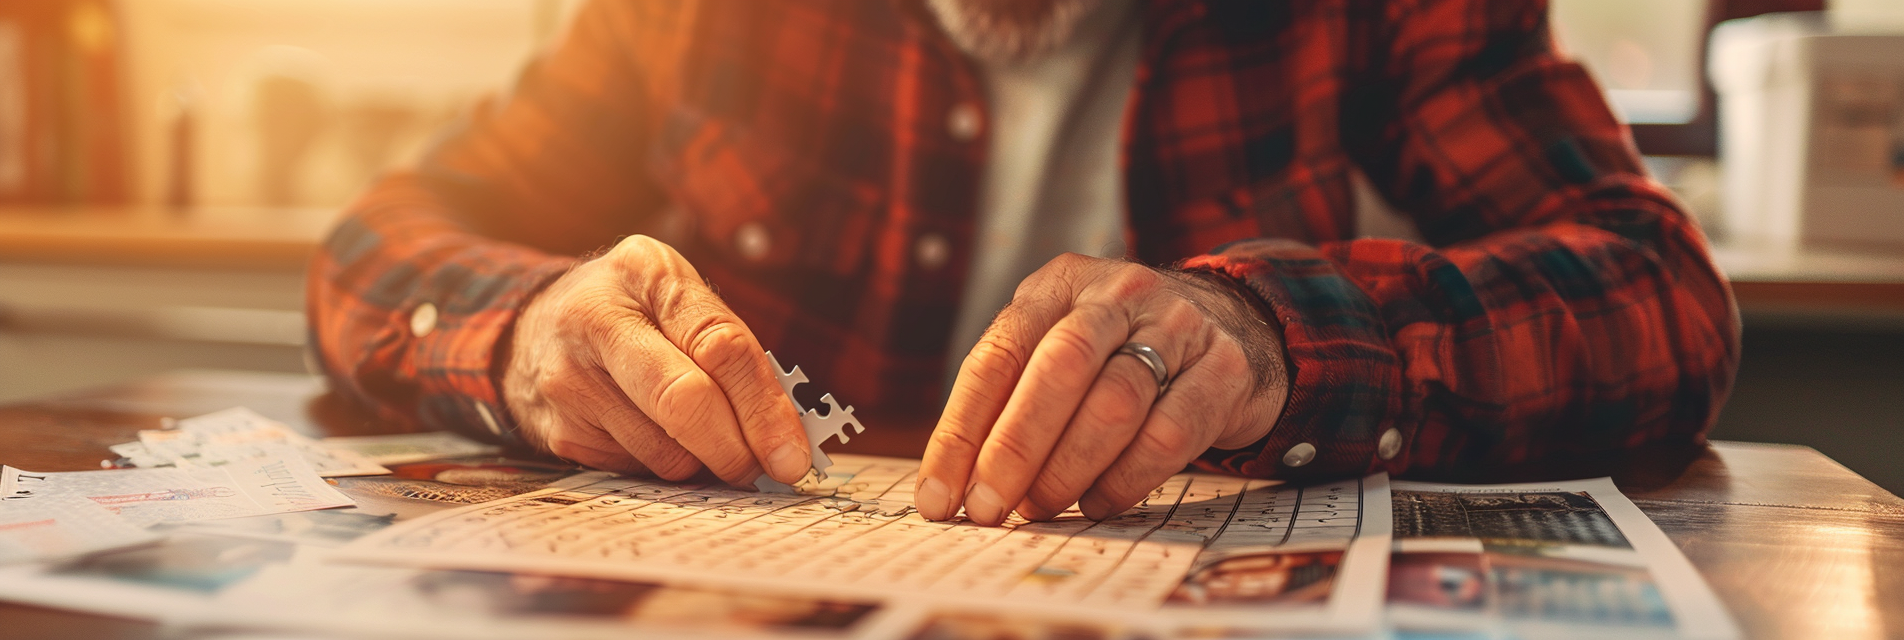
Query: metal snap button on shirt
(963, 122)
(1300, 454)
(752, 241)
(932, 250)
(1389, 445)
(423, 320)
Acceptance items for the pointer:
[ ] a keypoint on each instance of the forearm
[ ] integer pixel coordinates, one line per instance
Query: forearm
(1601, 331)
(407, 306)
(413, 297)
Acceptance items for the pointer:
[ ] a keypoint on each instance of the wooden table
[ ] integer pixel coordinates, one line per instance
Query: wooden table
(1795, 544)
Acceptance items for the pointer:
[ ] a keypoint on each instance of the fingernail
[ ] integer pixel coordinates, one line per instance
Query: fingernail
(932, 499)
(983, 505)
(789, 463)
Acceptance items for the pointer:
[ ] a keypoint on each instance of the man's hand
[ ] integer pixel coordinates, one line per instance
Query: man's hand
(1042, 416)
(630, 363)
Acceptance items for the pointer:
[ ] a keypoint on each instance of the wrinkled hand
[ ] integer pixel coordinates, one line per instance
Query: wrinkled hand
(630, 363)
(1042, 416)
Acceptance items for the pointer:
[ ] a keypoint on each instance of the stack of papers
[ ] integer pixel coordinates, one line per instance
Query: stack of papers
(451, 542)
(233, 435)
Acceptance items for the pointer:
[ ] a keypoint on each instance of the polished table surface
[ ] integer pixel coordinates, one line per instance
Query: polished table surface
(1796, 545)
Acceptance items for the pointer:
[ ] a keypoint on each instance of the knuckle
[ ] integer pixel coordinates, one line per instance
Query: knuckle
(1071, 260)
(1126, 400)
(1035, 285)
(1167, 438)
(1180, 314)
(636, 247)
(1069, 348)
(1016, 451)
(1132, 282)
(722, 346)
(955, 443)
(995, 362)
(766, 424)
(767, 415)
(684, 397)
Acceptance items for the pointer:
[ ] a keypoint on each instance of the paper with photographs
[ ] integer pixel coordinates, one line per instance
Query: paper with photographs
(198, 560)
(1559, 559)
(1298, 558)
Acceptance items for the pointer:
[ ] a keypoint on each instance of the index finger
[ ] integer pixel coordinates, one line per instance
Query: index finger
(985, 382)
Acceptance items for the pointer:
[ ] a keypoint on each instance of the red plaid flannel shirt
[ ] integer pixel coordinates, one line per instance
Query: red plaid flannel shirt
(797, 153)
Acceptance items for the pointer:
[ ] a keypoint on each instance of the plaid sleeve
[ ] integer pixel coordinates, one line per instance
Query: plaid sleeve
(1563, 306)
(413, 296)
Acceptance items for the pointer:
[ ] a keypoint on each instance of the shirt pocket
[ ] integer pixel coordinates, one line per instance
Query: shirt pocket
(758, 203)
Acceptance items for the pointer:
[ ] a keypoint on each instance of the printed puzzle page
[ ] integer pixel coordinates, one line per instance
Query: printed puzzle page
(1204, 552)
(256, 486)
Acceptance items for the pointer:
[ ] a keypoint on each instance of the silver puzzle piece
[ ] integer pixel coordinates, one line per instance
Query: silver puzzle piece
(819, 427)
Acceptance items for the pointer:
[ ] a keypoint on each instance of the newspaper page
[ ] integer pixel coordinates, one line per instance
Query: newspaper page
(145, 497)
(59, 527)
(1311, 556)
(1547, 560)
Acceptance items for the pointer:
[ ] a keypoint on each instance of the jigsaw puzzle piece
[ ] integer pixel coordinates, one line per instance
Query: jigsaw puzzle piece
(833, 425)
(788, 380)
(819, 427)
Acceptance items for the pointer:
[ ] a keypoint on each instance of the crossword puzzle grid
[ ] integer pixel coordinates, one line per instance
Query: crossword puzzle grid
(865, 536)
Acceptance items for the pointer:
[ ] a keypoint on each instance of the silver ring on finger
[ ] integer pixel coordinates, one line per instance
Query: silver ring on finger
(1149, 356)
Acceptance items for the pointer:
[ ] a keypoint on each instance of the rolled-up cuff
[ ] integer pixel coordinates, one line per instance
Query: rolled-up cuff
(458, 322)
(1345, 401)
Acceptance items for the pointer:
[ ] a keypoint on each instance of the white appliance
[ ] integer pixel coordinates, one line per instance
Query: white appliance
(1811, 133)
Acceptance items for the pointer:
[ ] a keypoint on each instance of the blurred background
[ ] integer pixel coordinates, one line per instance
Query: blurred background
(167, 167)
